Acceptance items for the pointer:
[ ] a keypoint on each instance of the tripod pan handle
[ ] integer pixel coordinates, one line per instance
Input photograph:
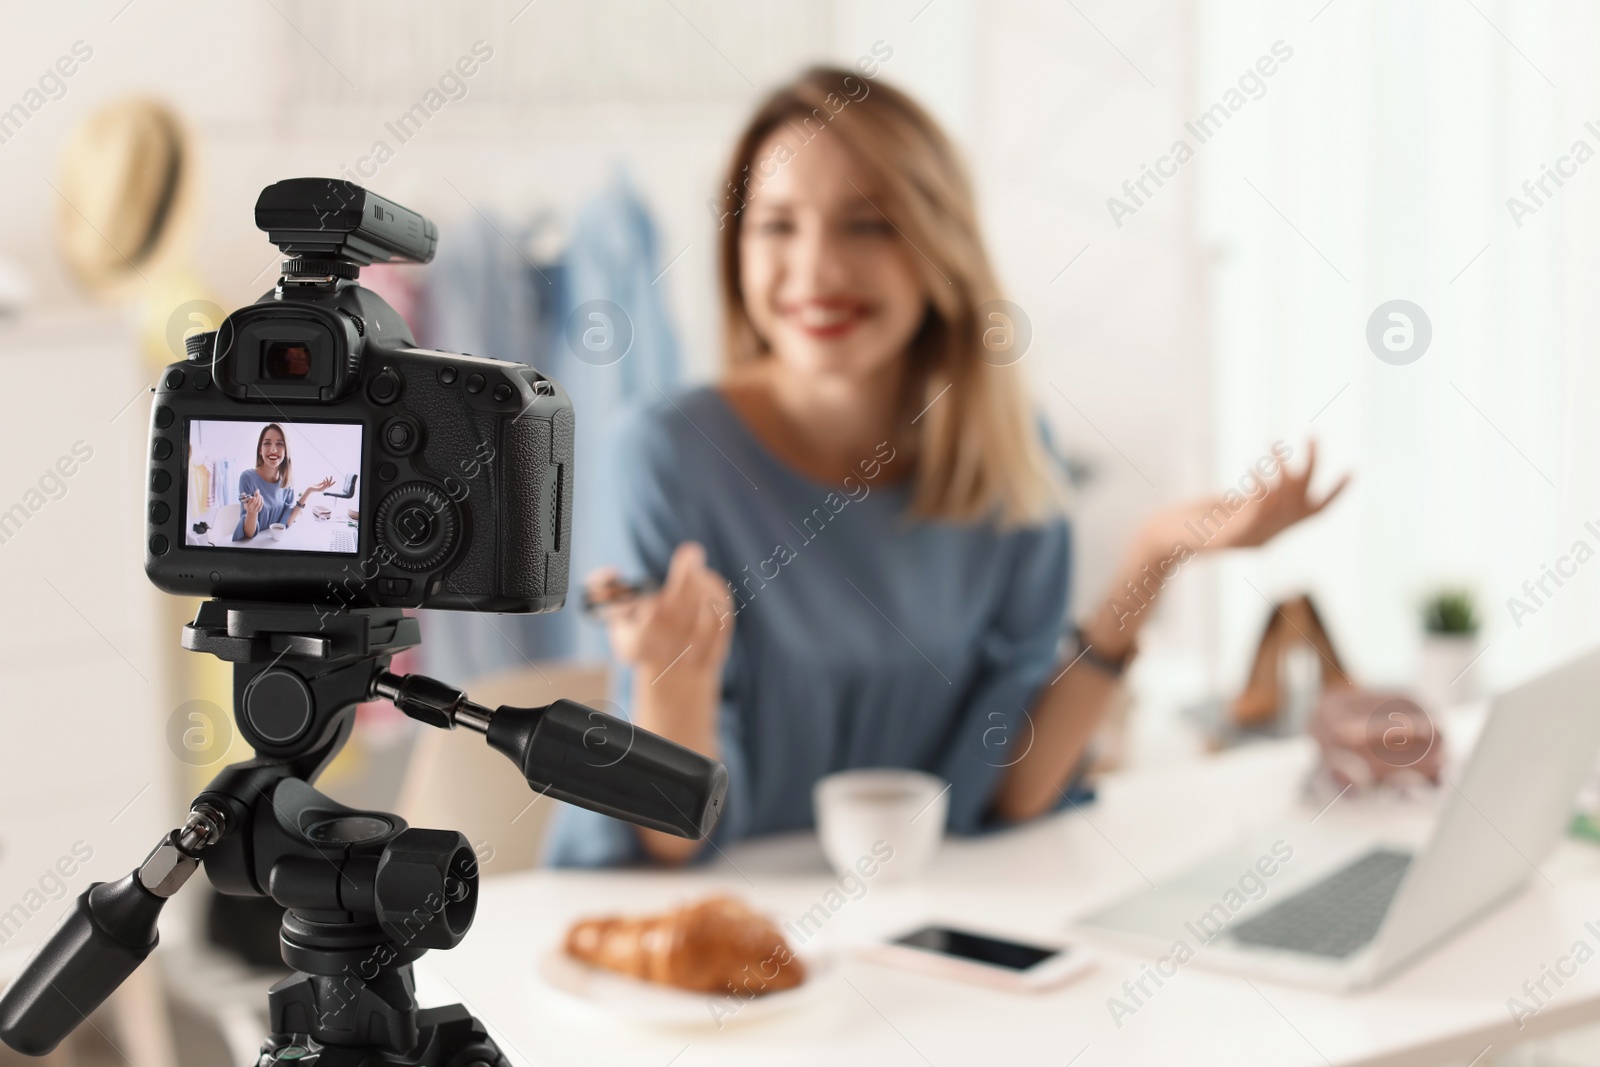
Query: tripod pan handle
(606, 764)
(101, 941)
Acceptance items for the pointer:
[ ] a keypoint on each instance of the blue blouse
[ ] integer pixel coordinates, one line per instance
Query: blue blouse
(862, 637)
(279, 502)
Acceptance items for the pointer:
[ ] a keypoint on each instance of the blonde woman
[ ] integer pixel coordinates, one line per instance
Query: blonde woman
(266, 494)
(858, 528)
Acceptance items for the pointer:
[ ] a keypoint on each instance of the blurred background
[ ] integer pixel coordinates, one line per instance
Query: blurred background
(1179, 326)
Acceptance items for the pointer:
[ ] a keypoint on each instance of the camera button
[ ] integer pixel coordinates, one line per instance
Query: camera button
(502, 392)
(278, 706)
(162, 449)
(202, 380)
(475, 383)
(163, 418)
(174, 379)
(401, 435)
(418, 524)
(394, 586)
(414, 525)
(158, 545)
(160, 512)
(160, 482)
(447, 375)
(384, 388)
(387, 472)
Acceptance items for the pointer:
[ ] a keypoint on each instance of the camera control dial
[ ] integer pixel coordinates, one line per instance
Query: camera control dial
(417, 523)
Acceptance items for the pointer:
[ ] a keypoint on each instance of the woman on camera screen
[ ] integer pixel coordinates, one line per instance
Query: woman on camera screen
(858, 529)
(266, 494)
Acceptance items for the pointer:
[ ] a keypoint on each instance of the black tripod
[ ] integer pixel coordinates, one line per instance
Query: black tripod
(365, 894)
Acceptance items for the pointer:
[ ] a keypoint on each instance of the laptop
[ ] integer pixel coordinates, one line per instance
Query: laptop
(1344, 909)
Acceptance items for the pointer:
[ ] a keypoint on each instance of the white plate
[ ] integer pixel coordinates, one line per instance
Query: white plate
(617, 996)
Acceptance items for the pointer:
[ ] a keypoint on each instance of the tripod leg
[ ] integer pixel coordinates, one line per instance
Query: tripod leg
(449, 1036)
(459, 1039)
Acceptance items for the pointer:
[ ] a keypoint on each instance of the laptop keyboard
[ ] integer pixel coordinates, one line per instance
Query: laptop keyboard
(343, 540)
(1335, 916)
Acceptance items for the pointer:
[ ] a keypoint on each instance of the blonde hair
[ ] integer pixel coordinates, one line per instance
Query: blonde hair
(978, 449)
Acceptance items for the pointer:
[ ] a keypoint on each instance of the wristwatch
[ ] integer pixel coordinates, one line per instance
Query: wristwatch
(1104, 664)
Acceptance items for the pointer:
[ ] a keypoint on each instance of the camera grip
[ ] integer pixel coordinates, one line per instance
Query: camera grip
(96, 946)
(606, 764)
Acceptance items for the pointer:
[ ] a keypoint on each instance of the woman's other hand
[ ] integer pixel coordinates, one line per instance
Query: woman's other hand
(677, 641)
(252, 513)
(686, 626)
(1369, 736)
(319, 487)
(1259, 511)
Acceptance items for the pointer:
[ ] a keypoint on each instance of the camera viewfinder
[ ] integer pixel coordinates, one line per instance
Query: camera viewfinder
(285, 360)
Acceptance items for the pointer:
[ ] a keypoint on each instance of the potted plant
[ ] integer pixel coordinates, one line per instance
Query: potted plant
(1450, 648)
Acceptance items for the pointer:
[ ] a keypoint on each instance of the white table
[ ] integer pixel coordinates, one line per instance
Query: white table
(1447, 1008)
(306, 534)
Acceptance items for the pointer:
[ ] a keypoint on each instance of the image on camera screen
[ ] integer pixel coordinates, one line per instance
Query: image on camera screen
(290, 486)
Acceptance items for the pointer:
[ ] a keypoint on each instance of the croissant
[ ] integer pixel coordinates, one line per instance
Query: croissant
(718, 945)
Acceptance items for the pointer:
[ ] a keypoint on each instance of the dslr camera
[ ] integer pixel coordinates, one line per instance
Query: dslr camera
(309, 452)
(313, 472)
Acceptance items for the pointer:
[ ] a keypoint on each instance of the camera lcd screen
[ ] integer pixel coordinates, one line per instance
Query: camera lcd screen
(285, 485)
(1011, 955)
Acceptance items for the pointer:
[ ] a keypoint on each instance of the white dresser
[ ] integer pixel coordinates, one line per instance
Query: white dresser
(87, 782)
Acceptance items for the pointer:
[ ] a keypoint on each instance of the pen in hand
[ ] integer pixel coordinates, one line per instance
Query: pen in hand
(617, 593)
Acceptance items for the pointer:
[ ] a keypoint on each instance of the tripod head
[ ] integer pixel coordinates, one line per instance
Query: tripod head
(365, 894)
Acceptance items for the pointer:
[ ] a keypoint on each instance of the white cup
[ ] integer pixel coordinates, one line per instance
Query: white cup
(859, 812)
(276, 529)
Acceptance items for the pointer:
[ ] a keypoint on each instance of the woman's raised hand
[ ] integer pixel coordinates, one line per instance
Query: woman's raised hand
(686, 627)
(1251, 520)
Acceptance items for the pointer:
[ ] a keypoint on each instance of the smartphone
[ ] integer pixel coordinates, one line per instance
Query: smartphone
(983, 958)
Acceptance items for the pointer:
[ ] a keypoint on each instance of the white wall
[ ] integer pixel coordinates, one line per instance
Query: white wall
(1055, 107)
(1225, 313)
(1391, 143)
(1052, 116)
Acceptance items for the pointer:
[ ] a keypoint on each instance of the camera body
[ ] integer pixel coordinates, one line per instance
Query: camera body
(309, 452)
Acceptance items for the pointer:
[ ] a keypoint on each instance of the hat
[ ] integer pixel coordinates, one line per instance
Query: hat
(120, 181)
